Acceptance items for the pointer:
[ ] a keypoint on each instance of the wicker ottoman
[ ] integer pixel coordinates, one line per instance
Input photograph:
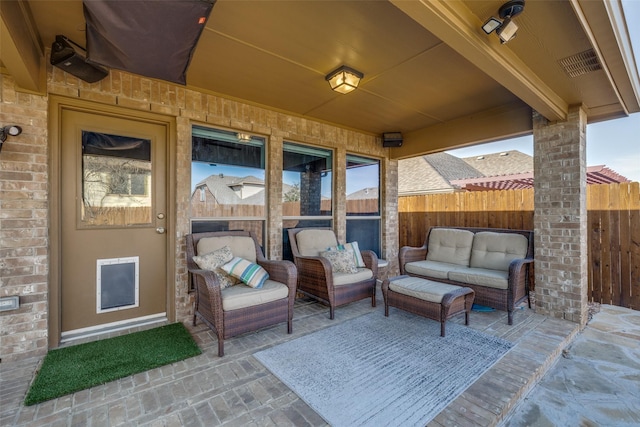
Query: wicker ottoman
(427, 298)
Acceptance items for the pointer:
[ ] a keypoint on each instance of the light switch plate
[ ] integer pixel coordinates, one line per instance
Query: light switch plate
(9, 303)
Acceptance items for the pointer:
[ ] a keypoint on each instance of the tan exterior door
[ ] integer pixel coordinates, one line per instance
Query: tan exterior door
(113, 221)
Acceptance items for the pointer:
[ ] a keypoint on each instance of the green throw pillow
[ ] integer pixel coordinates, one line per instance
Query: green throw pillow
(249, 273)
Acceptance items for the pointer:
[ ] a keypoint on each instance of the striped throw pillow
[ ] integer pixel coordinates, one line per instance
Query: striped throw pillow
(249, 273)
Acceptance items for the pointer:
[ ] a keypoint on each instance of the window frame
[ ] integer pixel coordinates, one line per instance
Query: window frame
(332, 157)
(317, 220)
(373, 217)
(198, 193)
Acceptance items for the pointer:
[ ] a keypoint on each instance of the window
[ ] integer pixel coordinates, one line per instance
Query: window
(228, 190)
(116, 180)
(363, 202)
(307, 189)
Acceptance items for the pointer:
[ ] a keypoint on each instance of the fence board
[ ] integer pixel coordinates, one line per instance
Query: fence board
(613, 222)
(625, 248)
(614, 242)
(605, 238)
(595, 270)
(634, 245)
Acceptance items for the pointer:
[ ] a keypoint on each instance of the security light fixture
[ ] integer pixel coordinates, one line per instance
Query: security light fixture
(505, 29)
(491, 25)
(6, 131)
(344, 79)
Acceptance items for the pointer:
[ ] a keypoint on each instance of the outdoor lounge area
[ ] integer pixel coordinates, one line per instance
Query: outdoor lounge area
(129, 127)
(238, 390)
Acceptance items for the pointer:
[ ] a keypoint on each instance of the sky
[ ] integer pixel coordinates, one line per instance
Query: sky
(614, 143)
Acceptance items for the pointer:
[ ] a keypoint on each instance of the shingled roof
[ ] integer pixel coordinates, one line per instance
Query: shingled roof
(595, 175)
(365, 193)
(503, 163)
(417, 176)
(222, 188)
(452, 167)
(508, 170)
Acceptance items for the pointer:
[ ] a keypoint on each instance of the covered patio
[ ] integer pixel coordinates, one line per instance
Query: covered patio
(257, 81)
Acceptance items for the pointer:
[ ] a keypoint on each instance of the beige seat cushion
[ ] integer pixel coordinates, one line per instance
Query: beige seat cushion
(450, 245)
(437, 270)
(311, 242)
(498, 279)
(495, 251)
(426, 290)
(341, 279)
(241, 296)
(241, 246)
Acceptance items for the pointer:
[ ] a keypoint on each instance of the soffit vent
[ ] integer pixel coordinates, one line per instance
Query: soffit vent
(581, 63)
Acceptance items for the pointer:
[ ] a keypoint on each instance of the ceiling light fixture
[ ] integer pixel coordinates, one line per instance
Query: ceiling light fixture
(344, 79)
(505, 29)
(6, 131)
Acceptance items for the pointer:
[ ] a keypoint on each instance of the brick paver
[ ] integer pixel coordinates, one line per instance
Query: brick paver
(236, 390)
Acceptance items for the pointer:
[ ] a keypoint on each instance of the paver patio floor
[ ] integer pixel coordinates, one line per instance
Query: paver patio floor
(237, 390)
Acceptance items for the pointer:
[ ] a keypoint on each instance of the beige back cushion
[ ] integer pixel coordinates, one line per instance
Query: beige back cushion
(450, 245)
(241, 246)
(312, 242)
(495, 251)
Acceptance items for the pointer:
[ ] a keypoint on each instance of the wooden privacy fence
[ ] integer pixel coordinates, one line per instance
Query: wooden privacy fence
(613, 221)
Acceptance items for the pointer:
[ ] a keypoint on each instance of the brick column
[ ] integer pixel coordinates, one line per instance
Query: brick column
(390, 218)
(275, 231)
(560, 216)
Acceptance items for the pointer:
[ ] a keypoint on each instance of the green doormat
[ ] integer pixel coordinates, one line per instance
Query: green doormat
(70, 369)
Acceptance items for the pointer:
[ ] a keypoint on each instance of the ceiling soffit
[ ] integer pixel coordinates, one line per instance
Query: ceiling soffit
(412, 79)
(605, 26)
(428, 67)
(456, 25)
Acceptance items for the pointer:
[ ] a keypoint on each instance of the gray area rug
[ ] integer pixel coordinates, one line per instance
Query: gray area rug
(383, 371)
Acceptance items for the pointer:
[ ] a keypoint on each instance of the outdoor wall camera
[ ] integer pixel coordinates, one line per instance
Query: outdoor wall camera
(507, 28)
(67, 58)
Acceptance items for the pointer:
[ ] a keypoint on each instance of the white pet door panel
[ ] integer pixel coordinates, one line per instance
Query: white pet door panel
(117, 284)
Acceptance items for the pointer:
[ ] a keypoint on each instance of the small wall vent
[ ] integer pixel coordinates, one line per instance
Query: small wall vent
(581, 63)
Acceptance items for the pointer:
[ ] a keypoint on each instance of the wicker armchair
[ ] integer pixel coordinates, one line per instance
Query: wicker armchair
(238, 309)
(316, 278)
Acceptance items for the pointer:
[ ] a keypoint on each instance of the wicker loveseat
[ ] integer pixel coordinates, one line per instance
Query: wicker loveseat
(493, 262)
(316, 276)
(237, 309)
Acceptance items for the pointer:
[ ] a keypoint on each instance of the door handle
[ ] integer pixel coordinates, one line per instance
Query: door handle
(160, 230)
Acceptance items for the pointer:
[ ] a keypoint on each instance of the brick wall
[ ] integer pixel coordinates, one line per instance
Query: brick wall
(23, 182)
(560, 209)
(24, 260)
